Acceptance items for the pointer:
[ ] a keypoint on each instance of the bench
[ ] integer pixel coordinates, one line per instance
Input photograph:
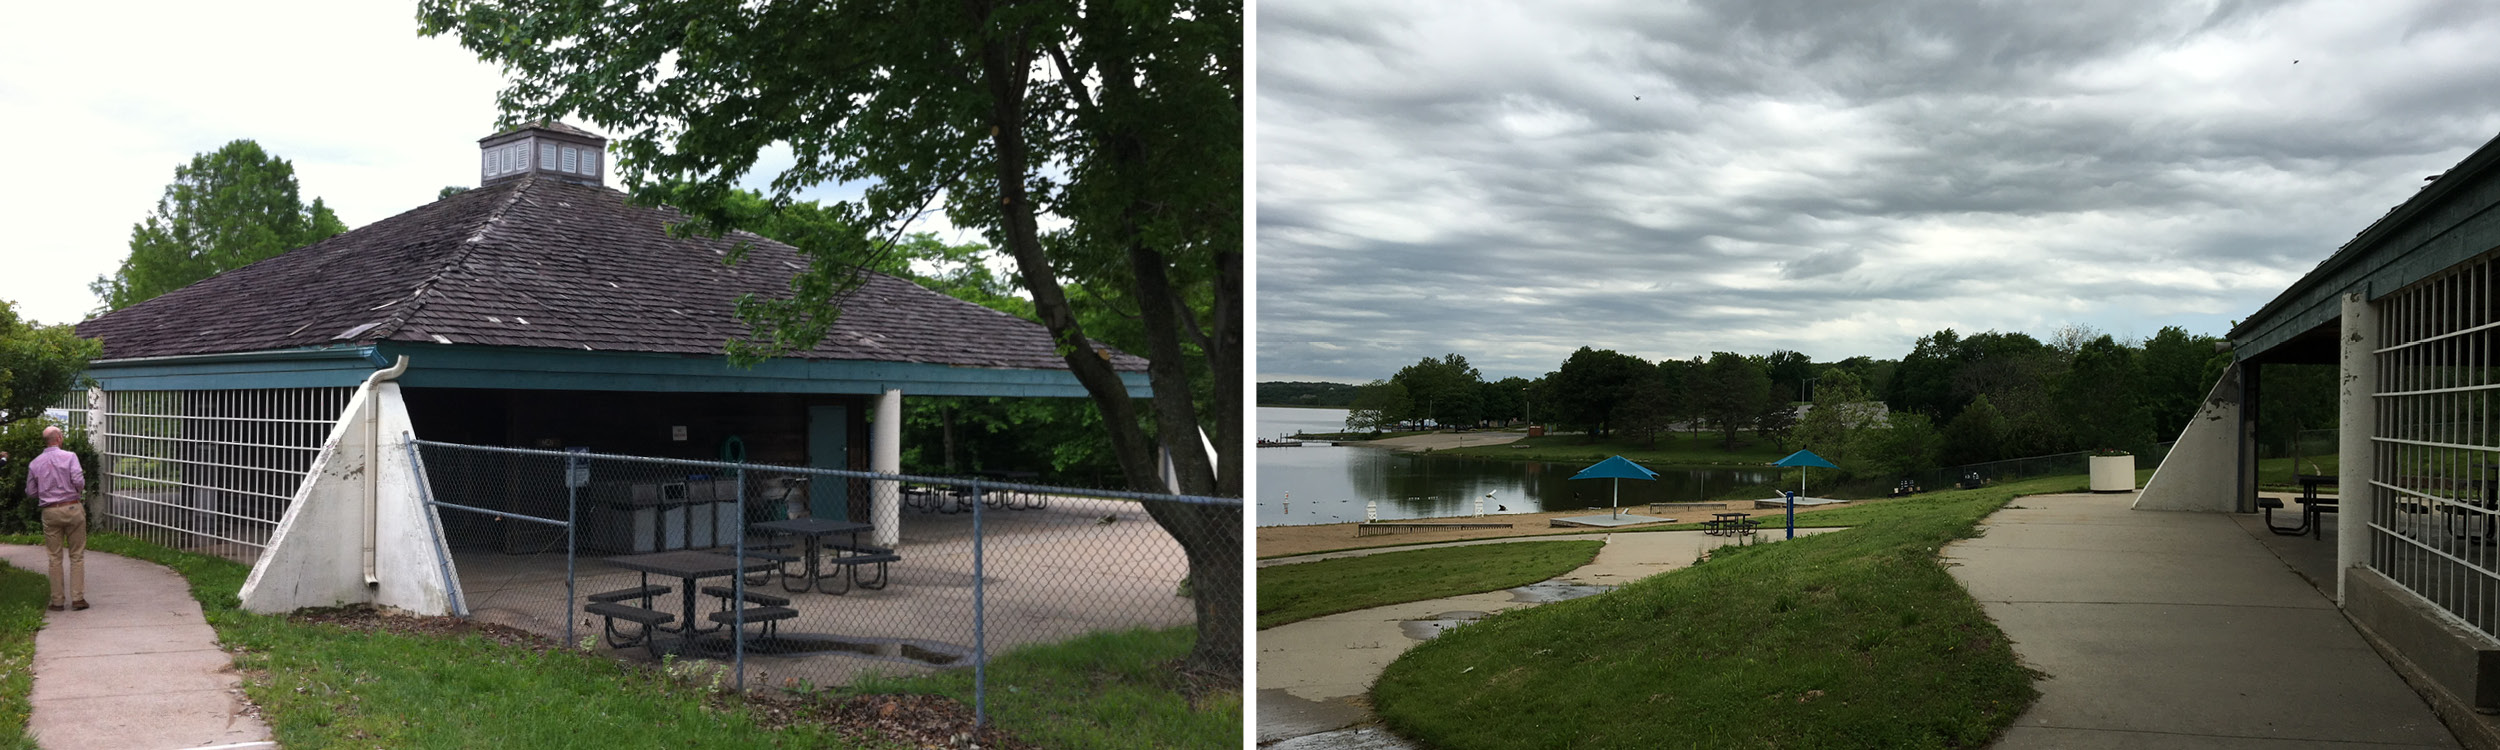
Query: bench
(752, 596)
(645, 593)
(878, 556)
(769, 617)
(765, 576)
(610, 612)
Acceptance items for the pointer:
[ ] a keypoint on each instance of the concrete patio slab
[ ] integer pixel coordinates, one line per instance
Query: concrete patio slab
(2175, 629)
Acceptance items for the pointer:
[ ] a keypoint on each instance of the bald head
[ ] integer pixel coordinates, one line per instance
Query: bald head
(52, 436)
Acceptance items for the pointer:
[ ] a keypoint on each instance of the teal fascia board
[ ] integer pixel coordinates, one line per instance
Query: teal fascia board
(293, 368)
(455, 366)
(2450, 221)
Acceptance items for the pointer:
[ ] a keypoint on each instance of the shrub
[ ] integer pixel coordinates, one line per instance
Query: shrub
(23, 440)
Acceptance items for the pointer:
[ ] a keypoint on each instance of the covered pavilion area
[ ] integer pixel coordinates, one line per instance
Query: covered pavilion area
(2406, 313)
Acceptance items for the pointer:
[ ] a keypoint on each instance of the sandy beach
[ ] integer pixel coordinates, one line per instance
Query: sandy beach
(1298, 540)
(1447, 440)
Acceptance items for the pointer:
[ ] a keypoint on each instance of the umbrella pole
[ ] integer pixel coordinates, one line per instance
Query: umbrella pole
(1618, 497)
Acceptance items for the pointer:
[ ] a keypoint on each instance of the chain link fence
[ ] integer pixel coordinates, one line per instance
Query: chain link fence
(845, 574)
(1991, 472)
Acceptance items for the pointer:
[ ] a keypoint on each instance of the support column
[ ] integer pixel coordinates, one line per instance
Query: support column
(885, 456)
(2244, 500)
(2358, 417)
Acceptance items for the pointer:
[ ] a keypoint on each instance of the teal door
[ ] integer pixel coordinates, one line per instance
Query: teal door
(829, 447)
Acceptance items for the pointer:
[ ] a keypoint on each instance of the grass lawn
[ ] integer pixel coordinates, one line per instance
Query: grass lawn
(22, 596)
(321, 685)
(1111, 690)
(1854, 639)
(2276, 474)
(1291, 593)
(1676, 449)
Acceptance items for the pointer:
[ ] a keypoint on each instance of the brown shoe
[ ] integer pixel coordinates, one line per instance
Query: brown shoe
(56, 607)
(80, 604)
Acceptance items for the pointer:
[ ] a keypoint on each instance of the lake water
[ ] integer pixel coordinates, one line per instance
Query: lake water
(1326, 484)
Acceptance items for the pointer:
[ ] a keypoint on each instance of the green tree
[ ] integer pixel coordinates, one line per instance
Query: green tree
(1841, 410)
(1379, 405)
(1584, 392)
(1648, 410)
(2174, 386)
(1118, 121)
(2102, 399)
(1903, 444)
(1728, 392)
(1976, 435)
(1444, 390)
(1505, 399)
(227, 209)
(38, 364)
(1789, 372)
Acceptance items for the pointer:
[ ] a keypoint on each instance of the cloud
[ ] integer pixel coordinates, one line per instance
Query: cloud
(1838, 179)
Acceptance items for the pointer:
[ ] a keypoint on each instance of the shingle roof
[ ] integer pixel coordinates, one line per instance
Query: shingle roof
(548, 264)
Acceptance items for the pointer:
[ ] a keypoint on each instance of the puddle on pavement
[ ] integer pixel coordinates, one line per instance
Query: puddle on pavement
(1426, 629)
(1367, 738)
(1556, 590)
(913, 652)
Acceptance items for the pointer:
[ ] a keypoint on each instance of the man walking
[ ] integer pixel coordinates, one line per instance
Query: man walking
(56, 482)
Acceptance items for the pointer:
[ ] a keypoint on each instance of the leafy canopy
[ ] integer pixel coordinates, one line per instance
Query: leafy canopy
(225, 210)
(38, 364)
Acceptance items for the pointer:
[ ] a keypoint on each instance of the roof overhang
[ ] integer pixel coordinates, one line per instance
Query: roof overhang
(458, 366)
(2447, 222)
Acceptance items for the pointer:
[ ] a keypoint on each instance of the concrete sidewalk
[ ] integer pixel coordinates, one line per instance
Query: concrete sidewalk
(2169, 629)
(140, 670)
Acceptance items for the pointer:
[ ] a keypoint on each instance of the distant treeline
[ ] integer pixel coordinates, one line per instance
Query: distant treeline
(1952, 400)
(1296, 393)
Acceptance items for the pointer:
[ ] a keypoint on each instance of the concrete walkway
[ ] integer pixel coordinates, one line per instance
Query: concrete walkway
(1314, 674)
(140, 670)
(2172, 630)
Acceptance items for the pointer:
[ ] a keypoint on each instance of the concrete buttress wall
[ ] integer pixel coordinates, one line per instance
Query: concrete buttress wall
(2201, 472)
(316, 558)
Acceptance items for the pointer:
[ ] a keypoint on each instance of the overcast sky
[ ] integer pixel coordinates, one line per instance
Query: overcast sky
(98, 106)
(1512, 181)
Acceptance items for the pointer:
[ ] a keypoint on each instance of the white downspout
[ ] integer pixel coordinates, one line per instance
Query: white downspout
(373, 462)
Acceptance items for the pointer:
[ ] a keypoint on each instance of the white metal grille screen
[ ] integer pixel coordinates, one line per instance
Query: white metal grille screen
(2437, 458)
(209, 471)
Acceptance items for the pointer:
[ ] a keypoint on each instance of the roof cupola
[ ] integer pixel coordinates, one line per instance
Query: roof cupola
(544, 148)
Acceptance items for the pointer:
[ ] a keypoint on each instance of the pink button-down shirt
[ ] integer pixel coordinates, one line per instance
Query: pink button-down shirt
(54, 477)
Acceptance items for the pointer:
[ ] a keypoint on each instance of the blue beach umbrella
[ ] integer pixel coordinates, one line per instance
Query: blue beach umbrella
(1617, 468)
(1802, 459)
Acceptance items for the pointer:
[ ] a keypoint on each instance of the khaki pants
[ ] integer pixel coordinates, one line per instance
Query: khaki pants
(66, 525)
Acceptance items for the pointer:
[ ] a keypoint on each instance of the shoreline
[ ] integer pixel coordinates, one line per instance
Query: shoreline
(1279, 541)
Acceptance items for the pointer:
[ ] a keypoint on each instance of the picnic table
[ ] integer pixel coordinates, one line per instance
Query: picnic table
(2310, 506)
(848, 557)
(1728, 524)
(689, 567)
(1008, 499)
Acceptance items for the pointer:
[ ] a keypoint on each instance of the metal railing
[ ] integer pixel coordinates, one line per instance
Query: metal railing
(948, 572)
(208, 471)
(2435, 457)
(2006, 470)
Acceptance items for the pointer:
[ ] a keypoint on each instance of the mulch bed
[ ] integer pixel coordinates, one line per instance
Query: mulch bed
(923, 721)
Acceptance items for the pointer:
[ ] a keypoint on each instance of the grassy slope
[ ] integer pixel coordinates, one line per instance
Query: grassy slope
(1855, 639)
(1291, 593)
(22, 596)
(322, 686)
(1678, 449)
